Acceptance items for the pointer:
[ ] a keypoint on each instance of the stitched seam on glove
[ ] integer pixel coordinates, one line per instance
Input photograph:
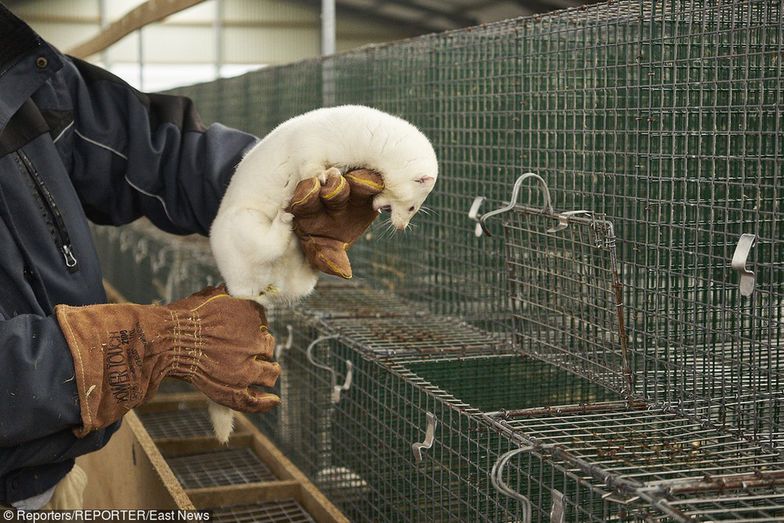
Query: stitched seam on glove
(317, 186)
(336, 190)
(175, 365)
(197, 346)
(365, 182)
(334, 267)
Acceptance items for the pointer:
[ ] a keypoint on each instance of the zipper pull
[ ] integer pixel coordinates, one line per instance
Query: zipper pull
(70, 259)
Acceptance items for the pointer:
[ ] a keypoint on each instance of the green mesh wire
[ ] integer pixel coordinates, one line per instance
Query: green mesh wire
(662, 116)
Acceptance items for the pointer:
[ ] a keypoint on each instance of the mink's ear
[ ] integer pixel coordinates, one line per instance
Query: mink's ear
(425, 180)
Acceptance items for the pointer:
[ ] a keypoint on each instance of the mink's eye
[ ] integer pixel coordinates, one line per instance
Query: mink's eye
(411, 209)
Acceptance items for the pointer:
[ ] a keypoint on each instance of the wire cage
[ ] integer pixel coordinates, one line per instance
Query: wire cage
(614, 352)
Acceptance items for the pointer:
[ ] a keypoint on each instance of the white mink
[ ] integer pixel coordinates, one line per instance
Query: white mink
(251, 237)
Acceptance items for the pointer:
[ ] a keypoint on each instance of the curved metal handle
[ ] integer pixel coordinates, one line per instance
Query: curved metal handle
(280, 347)
(563, 219)
(336, 389)
(481, 226)
(430, 437)
(739, 258)
(497, 480)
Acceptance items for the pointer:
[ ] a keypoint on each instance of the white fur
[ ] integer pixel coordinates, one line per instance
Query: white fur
(251, 237)
(222, 419)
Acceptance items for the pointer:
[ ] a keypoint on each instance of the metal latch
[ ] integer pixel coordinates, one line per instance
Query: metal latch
(336, 389)
(430, 436)
(739, 259)
(481, 226)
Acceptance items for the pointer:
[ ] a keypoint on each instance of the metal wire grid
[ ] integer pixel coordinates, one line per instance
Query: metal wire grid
(664, 116)
(661, 456)
(287, 511)
(222, 467)
(566, 292)
(661, 115)
(299, 426)
(373, 426)
(186, 423)
(757, 504)
(332, 301)
(415, 338)
(710, 152)
(147, 265)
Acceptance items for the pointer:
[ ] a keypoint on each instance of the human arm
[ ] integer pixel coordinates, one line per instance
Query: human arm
(136, 154)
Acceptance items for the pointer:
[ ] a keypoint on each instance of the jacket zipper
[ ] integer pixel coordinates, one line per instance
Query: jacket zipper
(59, 232)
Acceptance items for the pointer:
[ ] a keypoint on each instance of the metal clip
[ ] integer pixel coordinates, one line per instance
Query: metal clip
(497, 480)
(336, 389)
(280, 347)
(563, 219)
(430, 436)
(747, 277)
(481, 227)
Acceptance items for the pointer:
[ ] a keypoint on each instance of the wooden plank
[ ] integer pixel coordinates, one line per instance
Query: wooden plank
(224, 496)
(311, 498)
(184, 446)
(130, 472)
(147, 13)
(174, 401)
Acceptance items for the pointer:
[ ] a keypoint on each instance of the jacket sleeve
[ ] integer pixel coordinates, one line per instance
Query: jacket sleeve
(137, 154)
(38, 383)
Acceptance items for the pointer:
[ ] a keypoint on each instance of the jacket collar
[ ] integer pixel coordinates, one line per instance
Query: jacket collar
(26, 62)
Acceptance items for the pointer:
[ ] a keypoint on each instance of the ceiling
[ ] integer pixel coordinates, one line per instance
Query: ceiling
(426, 16)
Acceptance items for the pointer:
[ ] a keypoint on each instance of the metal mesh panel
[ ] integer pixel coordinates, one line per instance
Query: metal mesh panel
(758, 504)
(288, 511)
(419, 337)
(566, 293)
(356, 302)
(223, 467)
(187, 423)
(662, 118)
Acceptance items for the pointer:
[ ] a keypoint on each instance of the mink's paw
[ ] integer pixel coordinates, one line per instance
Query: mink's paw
(326, 174)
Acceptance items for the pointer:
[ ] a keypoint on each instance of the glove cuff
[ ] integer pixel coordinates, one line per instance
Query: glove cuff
(115, 358)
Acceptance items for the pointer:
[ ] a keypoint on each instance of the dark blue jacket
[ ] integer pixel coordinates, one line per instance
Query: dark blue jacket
(77, 143)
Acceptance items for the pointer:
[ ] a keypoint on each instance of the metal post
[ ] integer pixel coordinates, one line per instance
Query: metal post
(327, 49)
(327, 27)
(103, 17)
(217, 26)
(141, 60)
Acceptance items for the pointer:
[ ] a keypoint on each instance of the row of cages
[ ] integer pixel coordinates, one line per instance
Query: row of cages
(401, 414)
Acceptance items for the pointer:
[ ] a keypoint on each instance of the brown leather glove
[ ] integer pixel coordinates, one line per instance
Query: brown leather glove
(329, 218)
(122, 353)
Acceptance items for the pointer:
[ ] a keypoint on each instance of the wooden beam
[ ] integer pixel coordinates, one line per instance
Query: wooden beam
(244, 494)
(171, 447)
(311, 498)
(147, 13)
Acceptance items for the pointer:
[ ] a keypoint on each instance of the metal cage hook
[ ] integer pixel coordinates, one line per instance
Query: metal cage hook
(739, 258)
(430, 437)
(497, 480)
(481, 226)
(280, 347)
(336, 389)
